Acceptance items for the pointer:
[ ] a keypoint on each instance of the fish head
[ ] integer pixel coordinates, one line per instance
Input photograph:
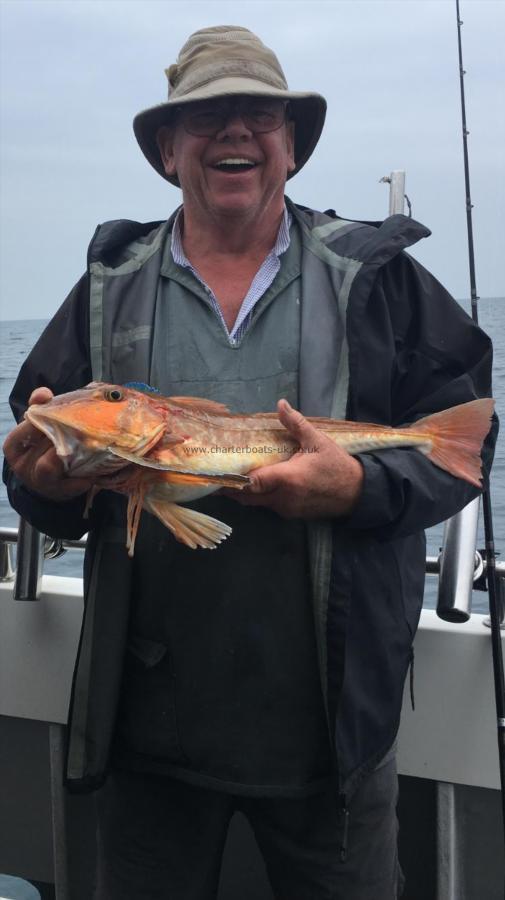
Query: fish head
(86, 422)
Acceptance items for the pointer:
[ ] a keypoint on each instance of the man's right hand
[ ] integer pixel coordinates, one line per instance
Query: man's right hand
(32, 458)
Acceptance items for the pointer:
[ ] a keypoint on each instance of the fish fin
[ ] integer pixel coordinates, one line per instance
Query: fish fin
(337, 425)
(90, 496)
(457, 435)
(226, 480)
(321, 422)
(182, 476)
(187, 525)
(140, 460)
(143, 388)
(134, 509)
(200, 404)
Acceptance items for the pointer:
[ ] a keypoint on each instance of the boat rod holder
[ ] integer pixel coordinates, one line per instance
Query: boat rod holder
(29, 563)
(6, 570)
(460, 565)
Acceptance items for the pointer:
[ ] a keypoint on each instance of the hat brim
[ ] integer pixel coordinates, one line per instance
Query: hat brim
(308, 110)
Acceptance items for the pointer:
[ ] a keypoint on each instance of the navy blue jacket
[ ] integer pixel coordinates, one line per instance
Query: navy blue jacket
(412, 351)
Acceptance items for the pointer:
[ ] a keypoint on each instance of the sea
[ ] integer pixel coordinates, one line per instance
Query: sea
(18, 337)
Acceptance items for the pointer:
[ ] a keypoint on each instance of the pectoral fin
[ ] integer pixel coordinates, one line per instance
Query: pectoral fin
(141, 460)
(238, 482)
(188, 526)
(134, 510)
(182, 476)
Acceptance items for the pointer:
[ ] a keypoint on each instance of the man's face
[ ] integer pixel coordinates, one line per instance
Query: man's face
(239, 170)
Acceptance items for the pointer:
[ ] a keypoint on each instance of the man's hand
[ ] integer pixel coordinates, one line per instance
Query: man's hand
(33, 459)
(319, 481)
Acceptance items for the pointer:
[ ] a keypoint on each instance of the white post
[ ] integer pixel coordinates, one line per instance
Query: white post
(397, 192)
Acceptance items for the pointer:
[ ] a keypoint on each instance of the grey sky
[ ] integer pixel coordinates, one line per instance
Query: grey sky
(75, 72)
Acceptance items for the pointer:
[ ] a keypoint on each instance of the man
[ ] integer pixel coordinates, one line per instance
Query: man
(266, 676)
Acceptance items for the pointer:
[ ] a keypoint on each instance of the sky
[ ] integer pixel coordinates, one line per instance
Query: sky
(75, 72)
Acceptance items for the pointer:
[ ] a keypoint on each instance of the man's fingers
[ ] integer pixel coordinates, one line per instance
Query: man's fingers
(49, 479)
(40, 469)
(33, 459)
(266, 480)
(301, 430)
(23, 440)
(261, 481)
(40, 395)
(49, 465)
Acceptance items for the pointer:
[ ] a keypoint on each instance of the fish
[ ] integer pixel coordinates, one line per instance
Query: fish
(166, 451)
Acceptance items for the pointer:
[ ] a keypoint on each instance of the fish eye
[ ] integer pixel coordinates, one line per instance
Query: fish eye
(113, 395)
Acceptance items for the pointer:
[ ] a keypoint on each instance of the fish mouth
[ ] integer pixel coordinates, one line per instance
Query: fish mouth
(64, 438)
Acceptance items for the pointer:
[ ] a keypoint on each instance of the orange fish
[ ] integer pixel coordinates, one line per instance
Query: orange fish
(183, 448)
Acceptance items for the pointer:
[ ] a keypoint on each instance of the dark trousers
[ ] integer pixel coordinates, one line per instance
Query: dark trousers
(162, 839)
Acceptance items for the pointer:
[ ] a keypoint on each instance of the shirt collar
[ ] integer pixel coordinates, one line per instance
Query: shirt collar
(281, 244)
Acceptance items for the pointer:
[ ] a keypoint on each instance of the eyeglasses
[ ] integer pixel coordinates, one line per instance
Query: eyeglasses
(259, 115)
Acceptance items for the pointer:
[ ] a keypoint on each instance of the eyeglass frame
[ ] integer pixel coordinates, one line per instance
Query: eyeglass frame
(234, 107)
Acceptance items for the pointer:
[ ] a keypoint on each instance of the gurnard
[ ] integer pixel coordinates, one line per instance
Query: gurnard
(164, 451)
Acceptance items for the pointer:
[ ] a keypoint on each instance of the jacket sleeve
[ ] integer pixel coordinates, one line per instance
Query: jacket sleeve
(60, 361)
(430, 356)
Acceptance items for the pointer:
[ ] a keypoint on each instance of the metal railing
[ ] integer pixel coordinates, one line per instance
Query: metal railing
(32, 549)
(457, 575)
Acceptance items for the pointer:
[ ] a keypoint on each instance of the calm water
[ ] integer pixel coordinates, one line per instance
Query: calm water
(17, 338)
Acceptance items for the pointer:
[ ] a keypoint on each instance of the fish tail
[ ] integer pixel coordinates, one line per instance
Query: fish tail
(456, 436)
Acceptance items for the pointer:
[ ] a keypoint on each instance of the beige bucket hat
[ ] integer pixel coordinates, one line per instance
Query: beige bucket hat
(226, 60)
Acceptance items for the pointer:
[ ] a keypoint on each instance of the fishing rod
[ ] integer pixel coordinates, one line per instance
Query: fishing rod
(494, 590)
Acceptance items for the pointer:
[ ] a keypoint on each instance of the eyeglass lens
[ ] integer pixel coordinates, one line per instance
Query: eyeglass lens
(259, 116)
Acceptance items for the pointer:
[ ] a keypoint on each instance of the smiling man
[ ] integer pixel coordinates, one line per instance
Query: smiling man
(267, 676)
(231, 159)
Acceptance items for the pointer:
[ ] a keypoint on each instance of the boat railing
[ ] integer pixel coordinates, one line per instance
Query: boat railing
(458, 567)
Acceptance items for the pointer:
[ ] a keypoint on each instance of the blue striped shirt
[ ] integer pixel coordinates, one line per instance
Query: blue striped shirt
(259, 285)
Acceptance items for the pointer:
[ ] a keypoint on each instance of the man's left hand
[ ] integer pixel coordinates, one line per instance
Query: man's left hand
(321, 480)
